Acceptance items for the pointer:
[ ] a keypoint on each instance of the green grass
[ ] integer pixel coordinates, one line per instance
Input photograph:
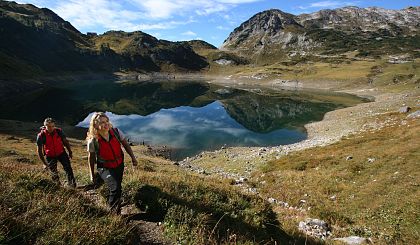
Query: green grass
(33, 210)
(377, 199)
(193, 209)
(200, 210)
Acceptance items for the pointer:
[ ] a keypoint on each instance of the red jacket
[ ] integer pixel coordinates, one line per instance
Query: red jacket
(110, 154)
(52, 142)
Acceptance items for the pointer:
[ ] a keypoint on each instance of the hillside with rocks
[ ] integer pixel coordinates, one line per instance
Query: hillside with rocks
(274, 35)
(354, 180)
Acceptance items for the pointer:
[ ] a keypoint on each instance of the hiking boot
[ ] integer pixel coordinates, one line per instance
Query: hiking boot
(116, 208)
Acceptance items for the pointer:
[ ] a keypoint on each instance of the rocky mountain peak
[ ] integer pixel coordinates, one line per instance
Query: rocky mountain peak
(275, 33)
(263, 26)
(271, 21)
(367, 19)
(31, 16)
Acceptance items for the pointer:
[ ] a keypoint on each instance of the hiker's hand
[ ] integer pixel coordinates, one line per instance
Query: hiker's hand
(70, 154)
(135, 163)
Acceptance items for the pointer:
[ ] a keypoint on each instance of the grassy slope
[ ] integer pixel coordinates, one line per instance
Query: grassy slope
(385, 209)
(377, 199)
(345, 73)
(193, 208)
(380, 201)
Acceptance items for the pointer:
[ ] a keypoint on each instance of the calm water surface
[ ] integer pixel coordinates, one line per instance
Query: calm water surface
(189, 117)
(189, 130)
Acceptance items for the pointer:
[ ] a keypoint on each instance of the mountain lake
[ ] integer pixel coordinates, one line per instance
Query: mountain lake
(187, 117)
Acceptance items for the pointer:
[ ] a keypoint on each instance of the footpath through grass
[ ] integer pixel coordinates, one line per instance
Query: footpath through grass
(194, 209)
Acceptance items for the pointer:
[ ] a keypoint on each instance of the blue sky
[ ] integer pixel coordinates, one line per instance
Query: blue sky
(178, 20)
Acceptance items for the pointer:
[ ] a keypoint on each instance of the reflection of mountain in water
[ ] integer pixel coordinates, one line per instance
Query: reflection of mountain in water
(267, 113)
(257, 112)
(73, 102)
(145, 98)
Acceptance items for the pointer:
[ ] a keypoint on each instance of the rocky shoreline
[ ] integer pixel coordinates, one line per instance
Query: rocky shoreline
(241, 161)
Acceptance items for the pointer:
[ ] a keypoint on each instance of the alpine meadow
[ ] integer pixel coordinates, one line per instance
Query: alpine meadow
(300, 128)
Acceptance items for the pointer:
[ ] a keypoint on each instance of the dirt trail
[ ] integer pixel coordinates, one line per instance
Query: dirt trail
(146, 231)
(18, 138)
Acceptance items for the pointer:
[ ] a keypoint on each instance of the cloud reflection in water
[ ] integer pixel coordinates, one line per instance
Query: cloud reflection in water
(191, 130)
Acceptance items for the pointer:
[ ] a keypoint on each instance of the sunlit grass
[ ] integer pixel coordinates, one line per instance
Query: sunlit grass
(373, 198)
(194, 209)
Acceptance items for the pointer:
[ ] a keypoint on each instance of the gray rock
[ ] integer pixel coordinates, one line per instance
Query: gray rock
(223, 91)
(315, 228)
(415, 114)
(354, 240)
(284, 204)
(404, 109)
(224, 62)
(241, 180)
(371, 160)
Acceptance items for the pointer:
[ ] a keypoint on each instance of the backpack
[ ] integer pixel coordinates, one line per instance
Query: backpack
(44, 138)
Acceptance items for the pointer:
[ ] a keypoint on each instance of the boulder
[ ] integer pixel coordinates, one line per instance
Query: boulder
(354, 240)
(404, 109)
(371, 160)
(415, 114)
(315, 228)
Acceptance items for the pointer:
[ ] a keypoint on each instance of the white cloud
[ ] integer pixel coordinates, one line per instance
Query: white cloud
(223, 28)
(142, 15)
(189, 33)
(328, 4)
(238, 1)
(91, 13)
(210, 9)
(161, 9)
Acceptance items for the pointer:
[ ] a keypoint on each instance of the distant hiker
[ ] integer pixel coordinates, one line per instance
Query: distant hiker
(104, 147)
(51, 142)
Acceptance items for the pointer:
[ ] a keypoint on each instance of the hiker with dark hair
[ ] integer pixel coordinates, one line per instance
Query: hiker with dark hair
(51, 142)
(104, 146)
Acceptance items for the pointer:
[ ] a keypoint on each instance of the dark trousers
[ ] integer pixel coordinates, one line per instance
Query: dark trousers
(113, 178)
(65, 161)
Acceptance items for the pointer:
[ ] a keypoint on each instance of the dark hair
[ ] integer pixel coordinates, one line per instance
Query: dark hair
(49, 120)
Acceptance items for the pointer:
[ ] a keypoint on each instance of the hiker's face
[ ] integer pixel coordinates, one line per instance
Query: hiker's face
(103, 123)
(50, 127)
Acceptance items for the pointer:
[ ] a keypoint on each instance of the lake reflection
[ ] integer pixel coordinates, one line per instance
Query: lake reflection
(188, 116)
(190, 130)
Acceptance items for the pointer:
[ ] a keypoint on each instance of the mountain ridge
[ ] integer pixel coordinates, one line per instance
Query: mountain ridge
(37, 42)
(278, 34)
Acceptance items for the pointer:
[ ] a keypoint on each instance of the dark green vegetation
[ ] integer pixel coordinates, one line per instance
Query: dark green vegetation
(37, 42)
(193, 209)
(375, 198)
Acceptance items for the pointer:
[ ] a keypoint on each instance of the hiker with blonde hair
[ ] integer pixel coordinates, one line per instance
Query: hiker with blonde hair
(104, 147)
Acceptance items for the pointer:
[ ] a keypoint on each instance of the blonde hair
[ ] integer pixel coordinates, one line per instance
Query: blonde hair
(94, 123)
